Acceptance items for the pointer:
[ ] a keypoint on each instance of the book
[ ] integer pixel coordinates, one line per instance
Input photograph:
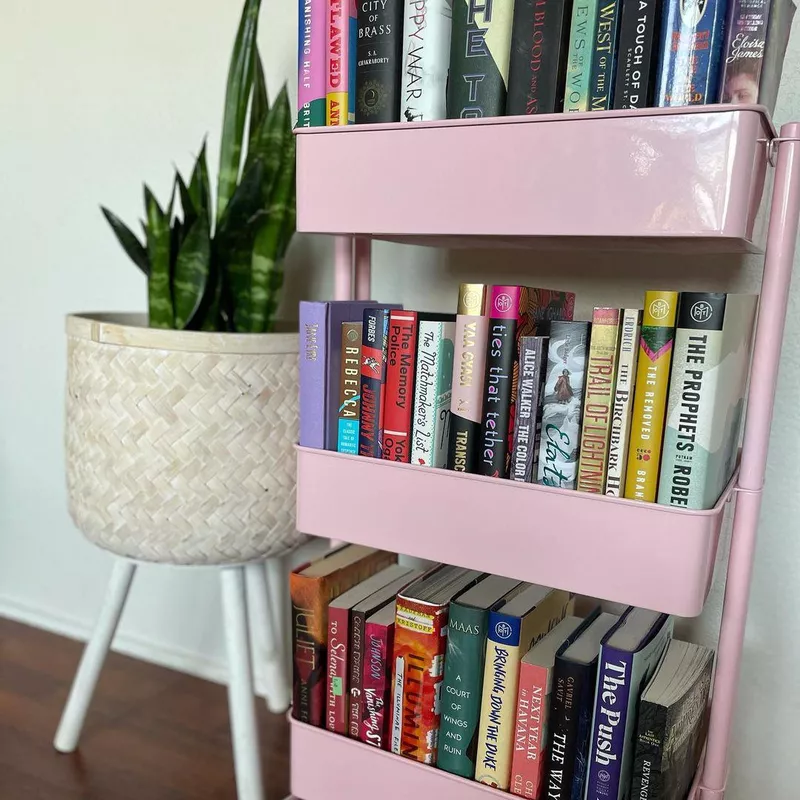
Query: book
(401, 364)
(571, 710)
(480, 51)
(312, 586)
(379, 56)
(672, 724)
(374, 346)
(337, 62)
(513, 629)
(690, 46)
(469, 371)
(539, 48)
(629, 655)
(562, 403)
(598, 401)
(618, 440)
(426, 58)
(433, 393)
(528, 421)
(339, 615)
(312, 37)
(418, 656)
(349, 417)
(756, 38)
(650, 398)
(463, 672)
(579, 59)
(604, 53)
(637, 54)
(377, 677)
(706, 402)
(533, 705)
(352, 57)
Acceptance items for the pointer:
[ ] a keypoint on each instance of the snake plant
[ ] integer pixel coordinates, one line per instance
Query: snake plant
(219, 267)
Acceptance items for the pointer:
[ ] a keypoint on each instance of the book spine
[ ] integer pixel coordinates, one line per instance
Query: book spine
(539, 47)
(338, 667)
(379, 60)
(337, 62)
(651, 733)
(313, 355)
(598, 401)
(401, 350)
(358, 622)
(530, 734)
(352, 58)
(418, 655)
(634, 83)
(426, 58)
(623, 402)
(649, 403)
(350, 389)
(579, 60)
(603, 55)
(308, 651)
(565, 711)
(608, 724)
(461, 695)
(528, 421)
(480, 51)
(374, 342)
(743, 52)
(377, 683)
(691, 53)
(311, 49)
(562, 404)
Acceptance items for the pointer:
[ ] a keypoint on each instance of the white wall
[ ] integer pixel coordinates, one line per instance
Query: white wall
(99, 95)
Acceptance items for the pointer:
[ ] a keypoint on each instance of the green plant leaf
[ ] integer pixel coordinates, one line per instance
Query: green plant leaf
(200, 185)
(259, 105)
(237, 96)
(270, 143)
(158, 249)
(190, 210)
(191, 272)
(130, 242)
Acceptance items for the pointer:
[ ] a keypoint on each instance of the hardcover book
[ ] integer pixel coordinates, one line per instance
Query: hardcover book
(419, 648)
(480, 50)
(379, 56)
(672, 724)
(337, 62)
(637, 56)
(705, 407)
(619, 438)
(604, 53)
(463, 672)
(539, 48)
(350, 389)
(571, 709)
(528, 421)
(692, 36)
(312, 586)
(514, 628)
(377, 678)
(469, 371)
(339, 614)
(426, 58)
(650, 399)
(562, 403)
(579, 60)
(433, 393)
(374, 346)
(629, 656)
(598, 401)
(401, 356)
(312, 38)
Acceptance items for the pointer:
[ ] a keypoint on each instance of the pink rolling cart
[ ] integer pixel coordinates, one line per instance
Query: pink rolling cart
(682, 180)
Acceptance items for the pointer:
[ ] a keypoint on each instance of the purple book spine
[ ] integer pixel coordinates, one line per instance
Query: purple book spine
(313, 356)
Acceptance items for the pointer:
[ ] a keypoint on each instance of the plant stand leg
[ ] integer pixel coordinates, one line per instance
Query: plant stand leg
(94, 655)
(363, 259)
(241, 700)
(266, 618)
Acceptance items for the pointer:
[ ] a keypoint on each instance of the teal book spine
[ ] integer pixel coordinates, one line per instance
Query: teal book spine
(579, 61)
(349, 425)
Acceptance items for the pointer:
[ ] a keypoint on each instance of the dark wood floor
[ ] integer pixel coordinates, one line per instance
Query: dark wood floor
(151, 734)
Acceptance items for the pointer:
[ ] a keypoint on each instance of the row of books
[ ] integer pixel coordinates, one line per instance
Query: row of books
(497, 680)
(642, 405)
(412, 60)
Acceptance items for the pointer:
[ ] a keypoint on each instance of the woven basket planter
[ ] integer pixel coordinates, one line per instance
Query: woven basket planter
(180, 445)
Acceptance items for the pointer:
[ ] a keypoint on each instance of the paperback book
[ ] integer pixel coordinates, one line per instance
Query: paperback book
(379, 56)
(311, 70)
(337, 62)
(401, 364)
(374, 349)
(577, 94)
(528, 421)
(604, 53)
(349, 414)
(377, 677)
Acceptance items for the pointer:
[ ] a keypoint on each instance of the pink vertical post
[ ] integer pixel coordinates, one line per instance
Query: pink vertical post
(343, 263)
(783, 227)
(363, 268)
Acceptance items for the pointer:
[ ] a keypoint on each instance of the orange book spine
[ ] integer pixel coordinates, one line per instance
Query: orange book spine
(527, 763)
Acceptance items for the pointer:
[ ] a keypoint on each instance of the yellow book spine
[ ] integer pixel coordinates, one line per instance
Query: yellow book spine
(336, 108)
(650, 398)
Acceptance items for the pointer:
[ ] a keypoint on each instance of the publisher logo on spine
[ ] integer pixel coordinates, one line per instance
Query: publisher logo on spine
(503, 302)
(701, 311)
(503, 630)
(659, 309)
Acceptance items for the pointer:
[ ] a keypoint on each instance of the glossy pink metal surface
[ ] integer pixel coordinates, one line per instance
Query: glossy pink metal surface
(637, 553)
(618, 175)
(363, 259)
